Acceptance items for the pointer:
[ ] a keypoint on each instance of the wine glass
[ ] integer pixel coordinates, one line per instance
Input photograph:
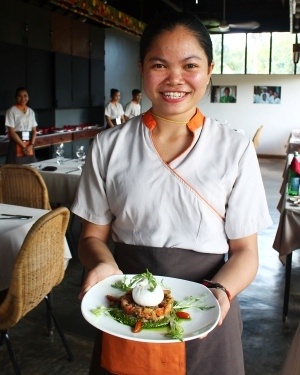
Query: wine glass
(80, 153)
(60, 154)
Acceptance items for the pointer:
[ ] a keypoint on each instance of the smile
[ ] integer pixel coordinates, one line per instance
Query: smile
(174, 95)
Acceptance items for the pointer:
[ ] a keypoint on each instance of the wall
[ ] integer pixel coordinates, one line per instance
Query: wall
(121, 64)
(121, 71)
(278, 119)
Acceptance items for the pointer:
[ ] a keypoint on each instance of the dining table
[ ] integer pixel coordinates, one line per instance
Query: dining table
(12, 234)
(61, 179)
(287, 238)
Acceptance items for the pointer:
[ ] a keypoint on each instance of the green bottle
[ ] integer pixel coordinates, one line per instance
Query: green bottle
(293, 177)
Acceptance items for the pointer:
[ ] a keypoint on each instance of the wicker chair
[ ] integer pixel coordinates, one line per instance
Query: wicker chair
(22, 185)
(256, 137)
(38, 268)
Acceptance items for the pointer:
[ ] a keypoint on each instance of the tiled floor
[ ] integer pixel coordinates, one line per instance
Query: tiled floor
(266, 338)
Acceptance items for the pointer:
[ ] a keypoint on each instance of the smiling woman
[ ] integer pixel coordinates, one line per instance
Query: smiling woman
(170, 205)
(21, 124)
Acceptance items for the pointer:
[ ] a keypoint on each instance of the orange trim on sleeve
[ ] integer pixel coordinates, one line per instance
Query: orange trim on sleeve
(120, 356)
(195, 122)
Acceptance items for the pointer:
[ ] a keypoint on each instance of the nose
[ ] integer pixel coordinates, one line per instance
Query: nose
(174, 76)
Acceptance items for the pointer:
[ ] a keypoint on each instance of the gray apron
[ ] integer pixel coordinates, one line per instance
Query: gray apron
(221, 352)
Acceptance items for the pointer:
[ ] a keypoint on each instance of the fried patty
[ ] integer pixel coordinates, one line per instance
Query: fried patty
(147, 313)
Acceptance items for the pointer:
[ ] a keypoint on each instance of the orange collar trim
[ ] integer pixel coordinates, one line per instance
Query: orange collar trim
(195, 122)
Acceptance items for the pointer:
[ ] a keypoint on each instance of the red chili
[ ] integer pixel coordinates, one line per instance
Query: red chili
(137, 327)
(112, 298)
(183, 315)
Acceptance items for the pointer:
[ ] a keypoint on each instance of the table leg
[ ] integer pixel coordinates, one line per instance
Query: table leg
(50, 325)
(288, 271)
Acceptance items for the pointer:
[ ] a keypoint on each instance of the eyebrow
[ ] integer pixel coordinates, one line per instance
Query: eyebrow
(185, 59)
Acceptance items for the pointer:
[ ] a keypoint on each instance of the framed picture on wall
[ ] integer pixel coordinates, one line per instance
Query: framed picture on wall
(223, 94)
(267, 95)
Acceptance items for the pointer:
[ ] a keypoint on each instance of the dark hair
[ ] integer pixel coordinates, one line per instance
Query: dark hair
(135, 92)
(19, 89)
(113, 92)
(167, 22)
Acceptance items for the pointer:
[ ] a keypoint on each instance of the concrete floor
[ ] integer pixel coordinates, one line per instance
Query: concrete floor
(266, 339)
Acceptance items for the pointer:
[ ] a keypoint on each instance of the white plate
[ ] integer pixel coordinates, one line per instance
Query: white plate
(200, 324)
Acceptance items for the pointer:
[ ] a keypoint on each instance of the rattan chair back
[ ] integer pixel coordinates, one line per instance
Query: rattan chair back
(256, 137)
(23, 185)
(38, 268)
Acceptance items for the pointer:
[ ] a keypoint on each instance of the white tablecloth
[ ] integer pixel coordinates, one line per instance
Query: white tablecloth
(61, 183)
(12, 234)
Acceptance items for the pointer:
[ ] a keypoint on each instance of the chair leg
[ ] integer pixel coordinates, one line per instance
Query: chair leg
(5, 338)
(62, 336)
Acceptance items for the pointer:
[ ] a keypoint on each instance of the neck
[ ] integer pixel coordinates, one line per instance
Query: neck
(22, 107)
(168, 120)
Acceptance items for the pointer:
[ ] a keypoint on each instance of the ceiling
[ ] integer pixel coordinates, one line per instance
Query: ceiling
(272, 15)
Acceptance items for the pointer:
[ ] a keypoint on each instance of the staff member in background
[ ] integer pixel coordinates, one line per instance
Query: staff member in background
(114, 113)
(21, 125)
(133, 108)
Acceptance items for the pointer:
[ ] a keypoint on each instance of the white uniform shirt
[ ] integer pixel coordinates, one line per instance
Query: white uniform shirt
(132, 109)
(114, 110)
(20, 121)
(180, 204)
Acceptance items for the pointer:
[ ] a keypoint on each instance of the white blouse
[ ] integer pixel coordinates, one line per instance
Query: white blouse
(211, 193)
(20, 121)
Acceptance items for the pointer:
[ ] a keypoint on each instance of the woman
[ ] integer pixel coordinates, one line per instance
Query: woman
(114, 113)
(21, 125)
(178, 199)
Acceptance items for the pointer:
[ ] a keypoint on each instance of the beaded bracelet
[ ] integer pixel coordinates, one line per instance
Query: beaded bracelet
(212, 285)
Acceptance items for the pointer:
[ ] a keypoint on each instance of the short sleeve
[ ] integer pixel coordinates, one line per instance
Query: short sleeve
(247, 211)
(91, 201)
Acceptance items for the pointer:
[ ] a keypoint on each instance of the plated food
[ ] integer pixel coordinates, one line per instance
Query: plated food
(151, 308)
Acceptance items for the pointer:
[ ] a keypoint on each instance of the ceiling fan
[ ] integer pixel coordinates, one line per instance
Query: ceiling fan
(224, 27)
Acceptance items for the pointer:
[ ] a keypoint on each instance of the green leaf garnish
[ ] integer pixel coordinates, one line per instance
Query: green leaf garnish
(175, 328)
(152, 283)
(121, 284)
(192, 302)
(99, 310)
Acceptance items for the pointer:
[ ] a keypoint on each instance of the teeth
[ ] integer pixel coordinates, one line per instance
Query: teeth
(174, 95)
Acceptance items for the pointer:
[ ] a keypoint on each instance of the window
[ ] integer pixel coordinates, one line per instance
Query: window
(234, 51)
(258, 53)
(254, 53)
(282, 53)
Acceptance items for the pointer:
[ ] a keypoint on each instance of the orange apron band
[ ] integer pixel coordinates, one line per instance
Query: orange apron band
(125, 357)
(19, 149)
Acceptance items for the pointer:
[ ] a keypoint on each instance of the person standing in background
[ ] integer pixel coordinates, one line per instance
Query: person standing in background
(21, 125)
(133, 108)
(114, 112)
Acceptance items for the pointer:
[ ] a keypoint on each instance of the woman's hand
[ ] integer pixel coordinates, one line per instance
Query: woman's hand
(95, 255)
(28, 150)
(224, 303)
(98, 273)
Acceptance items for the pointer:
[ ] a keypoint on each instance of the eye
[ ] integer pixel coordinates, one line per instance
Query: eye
(191, 66)
(158, 66)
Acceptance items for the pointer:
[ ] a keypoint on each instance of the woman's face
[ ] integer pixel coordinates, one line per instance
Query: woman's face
(116, 97)
(22, 97)
(175, 73)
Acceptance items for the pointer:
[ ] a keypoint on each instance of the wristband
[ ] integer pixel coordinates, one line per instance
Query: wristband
(212, 285)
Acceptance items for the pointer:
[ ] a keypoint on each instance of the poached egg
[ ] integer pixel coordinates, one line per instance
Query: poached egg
(144, 297)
